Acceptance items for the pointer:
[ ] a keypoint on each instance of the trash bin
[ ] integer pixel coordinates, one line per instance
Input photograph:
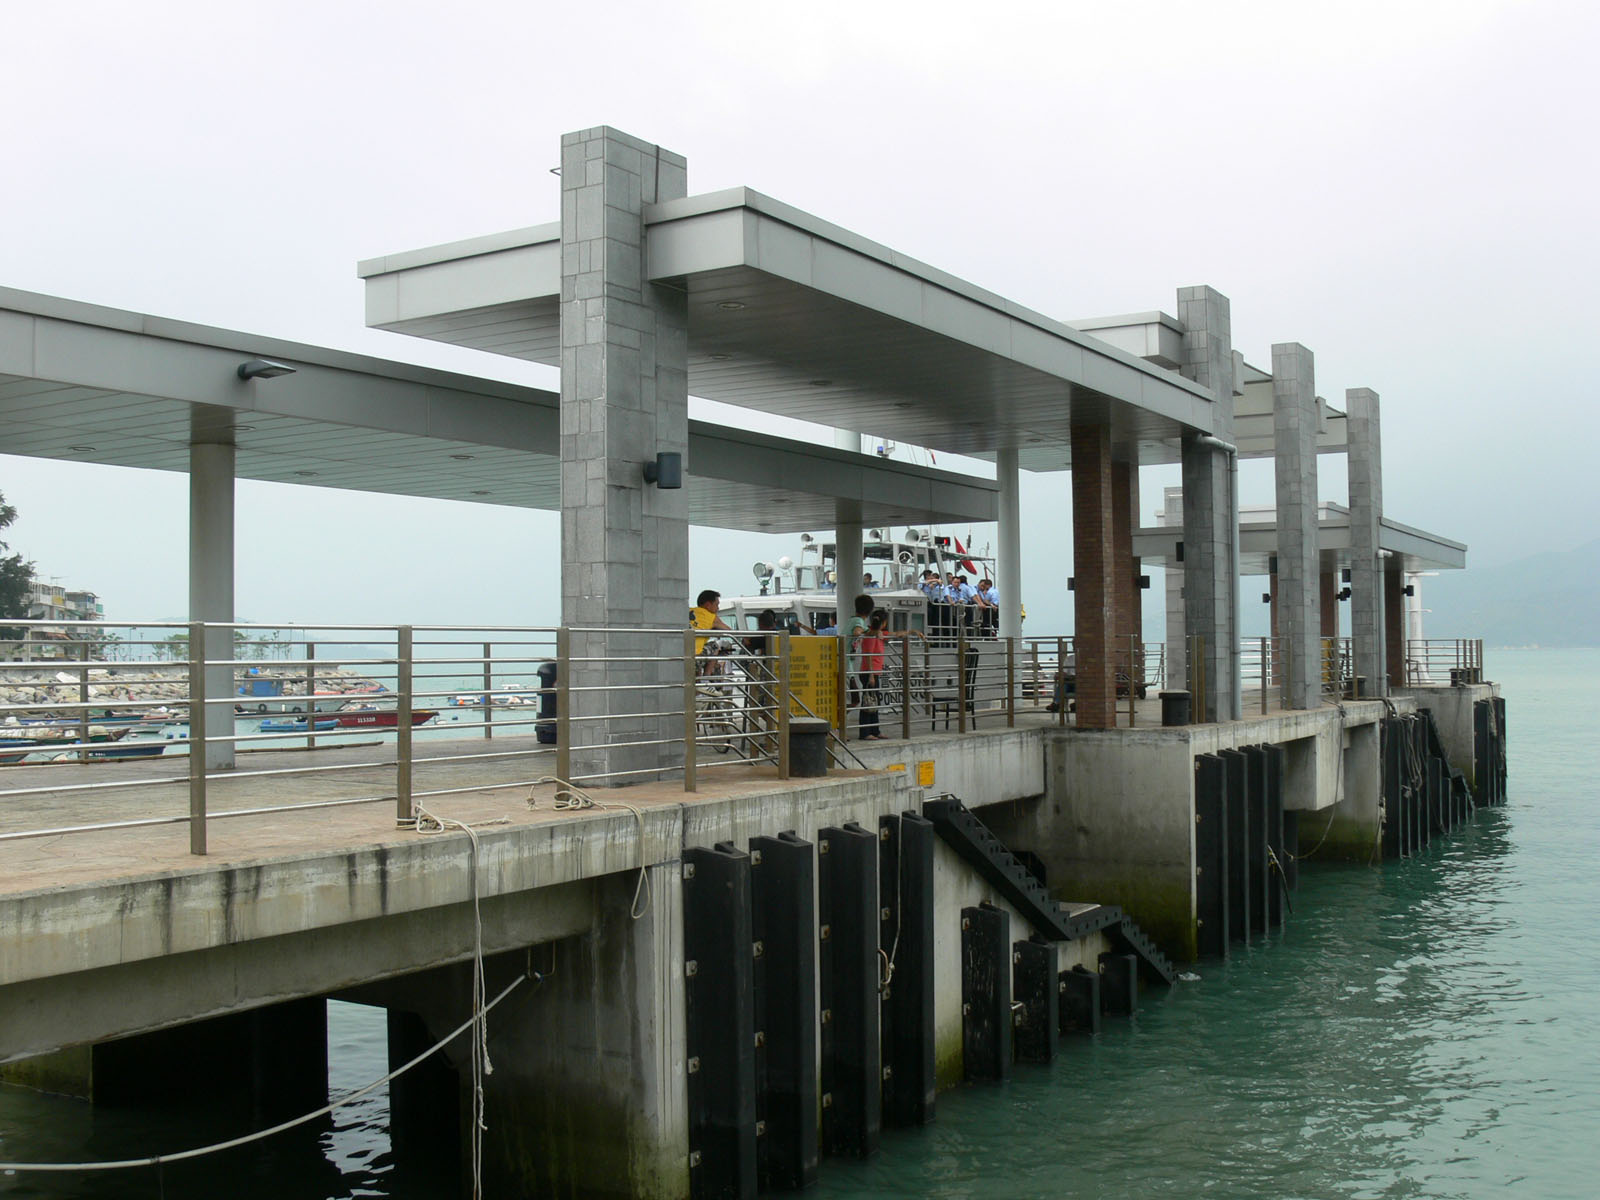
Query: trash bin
(1175, 708)
(545, 727)
(808, 746)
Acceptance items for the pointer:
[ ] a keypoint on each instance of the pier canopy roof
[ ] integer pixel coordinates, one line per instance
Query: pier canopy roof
(84, 383)
(789, 314)
(1416, 549)
(1157, 338)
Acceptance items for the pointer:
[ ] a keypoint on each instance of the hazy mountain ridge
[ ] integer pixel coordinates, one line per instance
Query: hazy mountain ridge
(1550, 599)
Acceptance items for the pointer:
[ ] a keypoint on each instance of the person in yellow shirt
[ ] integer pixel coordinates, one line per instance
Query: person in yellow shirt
(704, 616)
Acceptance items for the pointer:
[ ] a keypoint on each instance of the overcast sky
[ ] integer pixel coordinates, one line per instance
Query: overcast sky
(1407, 188)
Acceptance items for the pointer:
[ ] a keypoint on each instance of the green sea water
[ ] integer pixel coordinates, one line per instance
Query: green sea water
(1427, 1028)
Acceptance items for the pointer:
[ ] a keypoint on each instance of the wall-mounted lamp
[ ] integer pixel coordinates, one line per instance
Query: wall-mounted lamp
(1266, 597)
(1144, 581)
(1410, 589)
(1344, 575)
(263, 368)
(1344, 594)
(667, 470)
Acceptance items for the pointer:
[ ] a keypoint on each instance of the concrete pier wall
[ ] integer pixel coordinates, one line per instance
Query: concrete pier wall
(1452, 713)
(1116, 822)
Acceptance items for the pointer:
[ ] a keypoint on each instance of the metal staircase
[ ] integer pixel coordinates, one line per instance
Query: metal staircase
(1056, 920)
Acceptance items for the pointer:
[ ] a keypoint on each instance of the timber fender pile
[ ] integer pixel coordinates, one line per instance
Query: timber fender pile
(1246, 847)
(809, 989)
(785, 938)
(1424, 797)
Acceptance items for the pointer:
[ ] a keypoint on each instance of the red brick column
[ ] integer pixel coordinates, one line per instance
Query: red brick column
(1123, 486)
(1094, 572)
(1330, 604)
(1394, 625)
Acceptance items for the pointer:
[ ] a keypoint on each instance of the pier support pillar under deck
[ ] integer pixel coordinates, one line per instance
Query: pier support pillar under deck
(1211, 504)
(211, 491)
(1009, 564)
(1343, 764)
(1294, 426)
(1094, 593)
(624, 399)
(1367, 584)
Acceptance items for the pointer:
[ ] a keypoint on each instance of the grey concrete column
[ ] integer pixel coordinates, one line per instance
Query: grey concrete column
(624, 399)
(1009, 560)
(211, 582)
(1294, 427)
(1366, 514)
(1211, 503)
(1177, 670)
(847, 568)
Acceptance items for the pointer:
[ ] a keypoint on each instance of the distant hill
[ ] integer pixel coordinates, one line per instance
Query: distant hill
(1545, 600)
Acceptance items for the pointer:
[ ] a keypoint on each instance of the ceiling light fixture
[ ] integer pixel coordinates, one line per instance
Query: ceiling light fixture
(305, 474)
(480, 491)
(821, 383)
(462, 457)
(719, 357)
(730, 305)
(81, 449)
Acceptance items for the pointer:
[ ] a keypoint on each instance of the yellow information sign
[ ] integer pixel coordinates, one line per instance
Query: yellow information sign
(813, 670)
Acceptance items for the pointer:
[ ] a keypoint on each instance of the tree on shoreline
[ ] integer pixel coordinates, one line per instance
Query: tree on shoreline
(16, 577)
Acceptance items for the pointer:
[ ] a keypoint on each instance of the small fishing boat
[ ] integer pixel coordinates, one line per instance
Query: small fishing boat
(143, 742)
(296, 724)
(358, 714)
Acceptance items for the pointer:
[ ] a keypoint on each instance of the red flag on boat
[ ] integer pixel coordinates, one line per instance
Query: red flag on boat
(966, 563)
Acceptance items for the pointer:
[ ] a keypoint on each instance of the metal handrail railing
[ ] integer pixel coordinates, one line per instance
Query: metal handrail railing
(1441, 661)
(616, 709)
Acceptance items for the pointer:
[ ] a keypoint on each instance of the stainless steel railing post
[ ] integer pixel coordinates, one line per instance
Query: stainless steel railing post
(782, 723)
(691, 751)
(961, 678)
(405, 812)
(83, 705)
(488, 692)
(564, 704)
(1011, 683)
(197, 737)
(311, 695)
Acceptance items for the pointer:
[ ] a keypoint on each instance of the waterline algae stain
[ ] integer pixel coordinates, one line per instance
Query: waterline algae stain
(1421, 1028)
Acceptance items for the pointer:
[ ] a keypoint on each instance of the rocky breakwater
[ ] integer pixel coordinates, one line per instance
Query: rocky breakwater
(25, 685)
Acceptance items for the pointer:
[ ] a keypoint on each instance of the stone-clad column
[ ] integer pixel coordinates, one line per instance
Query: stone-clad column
(624, 398)
(1094, 593)
(1211, 503)
(1294, 427)
(1366, 514)
(1008, 562)
(1177, 644)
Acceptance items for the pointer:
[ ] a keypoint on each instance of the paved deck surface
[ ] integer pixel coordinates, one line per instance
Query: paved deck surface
(62, 797)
